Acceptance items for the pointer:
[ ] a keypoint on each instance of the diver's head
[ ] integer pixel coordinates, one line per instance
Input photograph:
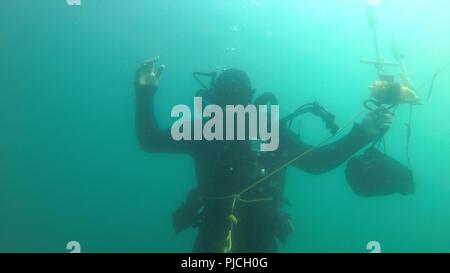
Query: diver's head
(232, 87)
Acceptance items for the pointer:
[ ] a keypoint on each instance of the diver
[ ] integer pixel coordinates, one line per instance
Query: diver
(226, 167)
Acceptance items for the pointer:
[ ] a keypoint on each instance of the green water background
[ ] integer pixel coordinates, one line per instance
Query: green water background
(70, 165)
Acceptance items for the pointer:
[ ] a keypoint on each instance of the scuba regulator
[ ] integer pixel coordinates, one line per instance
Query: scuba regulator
(316, 109)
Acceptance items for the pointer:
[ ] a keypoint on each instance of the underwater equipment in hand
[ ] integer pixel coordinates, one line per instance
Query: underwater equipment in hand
(374, 173)
(386, 90)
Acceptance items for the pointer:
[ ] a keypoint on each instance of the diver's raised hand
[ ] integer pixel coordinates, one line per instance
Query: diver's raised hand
(377, 122)
(146, 76)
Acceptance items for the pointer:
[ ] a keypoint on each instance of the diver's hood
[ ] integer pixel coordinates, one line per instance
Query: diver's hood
(232, 79)
(374, 173)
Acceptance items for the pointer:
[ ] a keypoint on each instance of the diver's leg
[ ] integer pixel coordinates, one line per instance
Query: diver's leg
(210, 239)
(257, 241)
(254, 235)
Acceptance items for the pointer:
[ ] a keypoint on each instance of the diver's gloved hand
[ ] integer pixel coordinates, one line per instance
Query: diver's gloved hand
(376, 123)
(146, 76)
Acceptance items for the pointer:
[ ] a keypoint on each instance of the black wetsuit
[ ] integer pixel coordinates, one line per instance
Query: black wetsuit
(227, 167)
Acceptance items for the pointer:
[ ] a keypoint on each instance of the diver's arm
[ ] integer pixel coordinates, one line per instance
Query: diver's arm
(151, 138)
(327, 157)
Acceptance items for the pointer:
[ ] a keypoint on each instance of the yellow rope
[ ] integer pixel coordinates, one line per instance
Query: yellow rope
(255, 200)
